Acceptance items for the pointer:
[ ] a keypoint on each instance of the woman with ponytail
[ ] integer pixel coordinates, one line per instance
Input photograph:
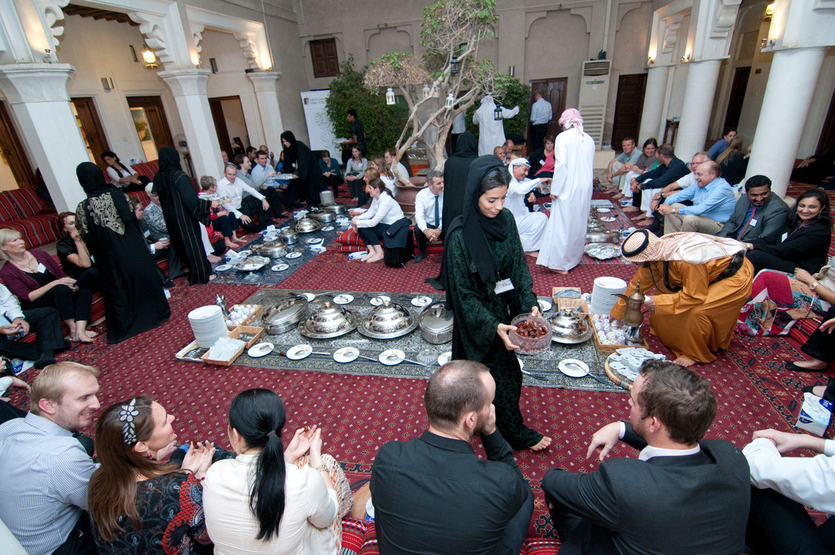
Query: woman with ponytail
(139, 504)
(271, 499)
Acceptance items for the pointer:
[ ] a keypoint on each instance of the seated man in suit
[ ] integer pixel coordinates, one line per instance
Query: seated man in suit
(713, 203)
(432, 494)
(669, 170)
(16, 323)
(429, 207)
(758, 214)
(683, 494)
(778, 522)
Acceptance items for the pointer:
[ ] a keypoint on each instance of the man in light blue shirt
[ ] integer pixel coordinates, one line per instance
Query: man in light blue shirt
(540, 116)
(713, 203)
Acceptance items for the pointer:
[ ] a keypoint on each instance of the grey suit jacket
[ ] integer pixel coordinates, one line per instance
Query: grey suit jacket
(771, 221)
(692, 504)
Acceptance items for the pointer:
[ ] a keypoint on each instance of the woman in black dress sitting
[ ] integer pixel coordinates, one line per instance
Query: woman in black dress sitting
(75, 256)
(806, 241)
(124, 176)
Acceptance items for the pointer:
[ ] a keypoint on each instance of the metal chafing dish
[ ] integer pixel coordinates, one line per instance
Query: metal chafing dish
(595, 223)
(336, 208)
(289, 236)
(252, 263)
(387, 321)
(323, 216)
(307, 225)
(284, 314)
(569, 327)
(271, 249)
(436, 324)
(329, 320)
(602, 236)
(603, 251)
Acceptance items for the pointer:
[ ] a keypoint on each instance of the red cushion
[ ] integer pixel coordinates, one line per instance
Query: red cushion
(8, 211)
(350, 237)
(36, 230)
(29, 203)
(369, 542)
(353, 532)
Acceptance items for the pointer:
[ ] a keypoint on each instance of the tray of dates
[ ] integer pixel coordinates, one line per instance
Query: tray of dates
(533, 334)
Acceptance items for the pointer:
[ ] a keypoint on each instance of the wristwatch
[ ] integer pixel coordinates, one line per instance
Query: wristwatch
(814, 286)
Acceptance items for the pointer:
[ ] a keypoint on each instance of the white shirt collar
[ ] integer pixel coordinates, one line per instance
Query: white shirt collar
(649, 451)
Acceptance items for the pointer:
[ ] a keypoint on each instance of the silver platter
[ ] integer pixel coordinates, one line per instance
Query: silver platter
(252, 263)
(353, 320)
(572, 340)
(603, 251)
(396, 312)
(364, 330)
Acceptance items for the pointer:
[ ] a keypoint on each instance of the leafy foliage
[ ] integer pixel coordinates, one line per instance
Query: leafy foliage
(382, 123)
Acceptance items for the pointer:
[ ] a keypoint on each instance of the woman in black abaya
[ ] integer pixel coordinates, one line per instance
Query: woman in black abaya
(184, 212)
(134, 300)
(310, 179)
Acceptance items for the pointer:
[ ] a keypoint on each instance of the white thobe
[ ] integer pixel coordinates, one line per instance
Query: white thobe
(490, 132)
(531, 224)
(565, 235)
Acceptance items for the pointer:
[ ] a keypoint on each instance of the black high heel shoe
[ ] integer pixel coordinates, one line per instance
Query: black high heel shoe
(826, 395)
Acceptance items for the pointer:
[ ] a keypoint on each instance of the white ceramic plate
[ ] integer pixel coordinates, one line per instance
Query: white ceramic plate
(571, 370)
(422, 301)
(298, 352)
(343, 299)
(444, 358)
(314, 241)
(293, 255)
(245, 252)
(328, 228)
(346, 354)
(377, 301)
(260, 350)
(317, 249)
(544, 306)
(604, 210)
(309, 296)
(608, 219)
(279, 267)
(223, 268)
(392, 357)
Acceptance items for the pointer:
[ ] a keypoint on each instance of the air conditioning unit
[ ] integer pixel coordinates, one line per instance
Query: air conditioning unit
(594, 94)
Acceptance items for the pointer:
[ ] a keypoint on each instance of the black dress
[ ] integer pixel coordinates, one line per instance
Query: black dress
(134, 300)
(184, 212)
(805, 247)
(310, 181)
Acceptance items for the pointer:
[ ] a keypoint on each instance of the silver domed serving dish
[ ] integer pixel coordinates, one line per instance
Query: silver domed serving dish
(307, 225)
(436, 324)
(329, 320)
(271, 249)
(336, 208)
(387, 321)
(284, 314)
(569, 327)
(324, 216)
(289, 236)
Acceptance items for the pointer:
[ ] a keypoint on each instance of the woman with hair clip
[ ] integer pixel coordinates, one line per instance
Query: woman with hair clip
(372, 224)
(137, 503)
(487, 283)
(271, 499)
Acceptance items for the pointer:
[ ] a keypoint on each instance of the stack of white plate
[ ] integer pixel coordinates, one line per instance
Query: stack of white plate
(208, 325)
(603, 295)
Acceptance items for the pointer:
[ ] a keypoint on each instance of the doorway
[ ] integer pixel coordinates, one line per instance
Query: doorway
(552, 90)
(629, 107)
(230, 126)
(91, 129)
(737, 97)
(827, 137)
(15, 169)
(151, 124)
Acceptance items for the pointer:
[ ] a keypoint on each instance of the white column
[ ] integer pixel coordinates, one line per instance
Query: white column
(653, 111)
(788, 95)
(266, 94)
(702, 77)
(38, 97)
(189, 89)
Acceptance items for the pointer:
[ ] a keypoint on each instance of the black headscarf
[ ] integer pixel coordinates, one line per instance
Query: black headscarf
(91, 179)
(455, 175)
(169, 165)
(291, 153)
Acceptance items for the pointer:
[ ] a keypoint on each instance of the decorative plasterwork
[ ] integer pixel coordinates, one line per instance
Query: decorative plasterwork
(249, 49)
(724, 18)
(151, 27)
(586, 13)
(197, 38)
(624, 9)
(531, 18)
(671, 29)
(368, 33)
(51, 13)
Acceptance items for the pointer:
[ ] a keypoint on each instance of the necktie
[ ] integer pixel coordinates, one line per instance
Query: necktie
(745, 227)
(437, 211)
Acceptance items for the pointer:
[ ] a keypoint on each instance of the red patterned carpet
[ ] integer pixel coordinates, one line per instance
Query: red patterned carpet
(360, 413)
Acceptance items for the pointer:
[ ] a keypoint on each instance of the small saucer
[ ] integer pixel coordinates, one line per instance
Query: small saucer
(608, 219)
(327, 228)
(343, 299)
(223, 268)
(392, 357)
(279, 267)
(317, 249)
(260, 350)
(346, 354)
(245, 252)
(377, 301)
(308, 296)
(544, 306)
(444, 358)
(299, 352)
(569, 367)
(314, 241)
(293, 255)
(421, 301)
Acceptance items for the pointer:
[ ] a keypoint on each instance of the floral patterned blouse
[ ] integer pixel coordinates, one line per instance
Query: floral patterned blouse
(171, 509)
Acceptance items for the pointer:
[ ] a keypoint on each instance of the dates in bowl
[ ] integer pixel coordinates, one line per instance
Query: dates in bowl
(532, 334)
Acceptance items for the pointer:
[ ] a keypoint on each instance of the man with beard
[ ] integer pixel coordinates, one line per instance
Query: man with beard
(758, 214)
(432, 494)
(45, 469)
(684, 494)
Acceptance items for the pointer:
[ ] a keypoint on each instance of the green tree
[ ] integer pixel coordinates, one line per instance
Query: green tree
(382, 122)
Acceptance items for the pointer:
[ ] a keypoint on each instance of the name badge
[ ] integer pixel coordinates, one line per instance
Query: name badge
(503, 286)
(146, 233)
(753, 223)
(785, 236)
(41, 269)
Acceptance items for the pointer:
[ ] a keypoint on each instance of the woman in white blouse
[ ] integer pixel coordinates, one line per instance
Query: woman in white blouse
(379, 164)
(372, 224)
(353, 174)
(270, 499)
(124, 176)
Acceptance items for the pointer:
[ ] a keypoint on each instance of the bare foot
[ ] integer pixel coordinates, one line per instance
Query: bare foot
(82, 338)
(533, 254)
(212, 277)
(230, 244)
(372, 258)
(361, 497)
(684, 361)
(630, 208)
(543, 444)
(617, 196)
(560, 272)
(91, 334)
(213, 259)
(819, 390)
(813, 364)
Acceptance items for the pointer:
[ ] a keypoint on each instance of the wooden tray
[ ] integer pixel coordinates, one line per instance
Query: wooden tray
(251, 318)
(254, 330)
(616, 377)
(205, 358)
(181, 354)
(607, 349)
(562, 303)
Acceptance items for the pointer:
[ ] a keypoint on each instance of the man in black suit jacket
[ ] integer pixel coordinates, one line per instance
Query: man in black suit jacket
(433, 495)
(758, 214)
(669, 170)
(683, 495)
